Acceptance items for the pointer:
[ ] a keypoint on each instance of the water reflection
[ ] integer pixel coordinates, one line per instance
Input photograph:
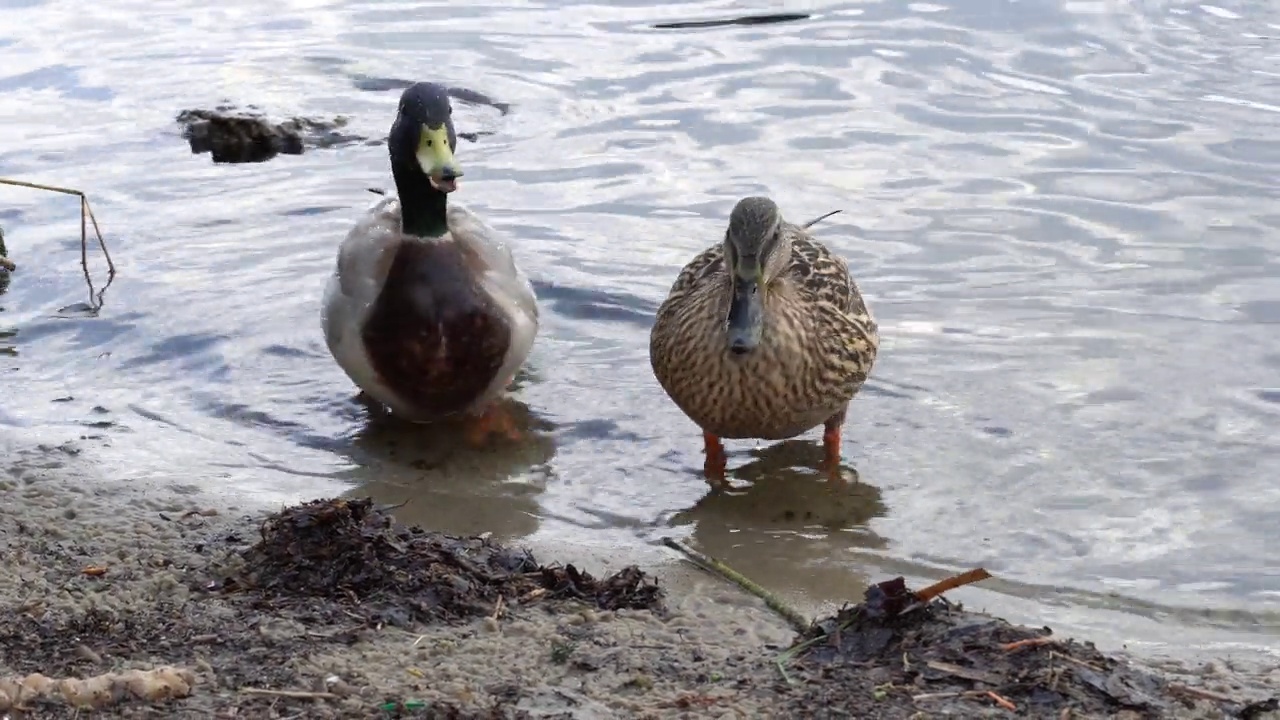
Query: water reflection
(784, 527)
(443, 483)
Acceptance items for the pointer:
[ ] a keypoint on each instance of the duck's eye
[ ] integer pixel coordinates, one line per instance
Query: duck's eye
(429, 142)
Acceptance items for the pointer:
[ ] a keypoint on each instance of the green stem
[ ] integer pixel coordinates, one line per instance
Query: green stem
(714, 566)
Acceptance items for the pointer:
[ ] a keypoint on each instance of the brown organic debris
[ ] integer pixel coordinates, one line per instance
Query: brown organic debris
(955, 662)
(356, 554)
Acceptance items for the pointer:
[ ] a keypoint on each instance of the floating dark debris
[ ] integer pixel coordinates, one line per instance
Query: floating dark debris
(354, 553)
(370, 83)
(916, 654)
(744, 20)
(233, 135)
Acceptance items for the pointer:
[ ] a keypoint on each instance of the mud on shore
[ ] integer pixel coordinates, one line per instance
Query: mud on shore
(332, 609)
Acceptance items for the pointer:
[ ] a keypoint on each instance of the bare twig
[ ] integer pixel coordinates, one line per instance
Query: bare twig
(711, 565)
(951, 583)
(1002, 701)
(532, 595)
(1059, 656)
(944, 695)
(793, 618)
(960, 671)
(1201, 693)
(86, 217)
(296, 694)
(1029, 642)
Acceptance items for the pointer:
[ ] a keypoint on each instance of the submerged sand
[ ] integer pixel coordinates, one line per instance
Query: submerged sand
(106, 576)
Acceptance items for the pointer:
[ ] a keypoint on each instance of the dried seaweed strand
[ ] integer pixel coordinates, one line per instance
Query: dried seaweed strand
(86, 214)
(790, 653)
(1059, 656)
(946, 695)
(1201, 693)
(296, 694)
(714, 566)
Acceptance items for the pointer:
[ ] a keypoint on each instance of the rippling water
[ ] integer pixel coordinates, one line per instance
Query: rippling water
(1063, 213)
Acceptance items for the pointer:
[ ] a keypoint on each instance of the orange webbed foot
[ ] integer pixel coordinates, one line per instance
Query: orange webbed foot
(495, 420)
(831, 453)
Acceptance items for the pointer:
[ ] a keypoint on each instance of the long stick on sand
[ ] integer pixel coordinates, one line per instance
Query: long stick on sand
(86, 216)
(715, 567)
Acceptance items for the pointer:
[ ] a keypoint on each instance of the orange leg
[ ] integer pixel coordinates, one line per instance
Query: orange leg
(831, 451)
(495, 420)
(714, 467)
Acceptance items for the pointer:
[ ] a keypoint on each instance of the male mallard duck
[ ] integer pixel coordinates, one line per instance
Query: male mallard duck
(764, 335)
(426, 310)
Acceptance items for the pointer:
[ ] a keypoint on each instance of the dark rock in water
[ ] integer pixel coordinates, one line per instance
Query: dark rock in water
(246, 135)
(353, 553)
(6, 265)
(232, 135)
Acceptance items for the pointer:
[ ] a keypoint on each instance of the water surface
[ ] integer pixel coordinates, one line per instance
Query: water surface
(1062, 213)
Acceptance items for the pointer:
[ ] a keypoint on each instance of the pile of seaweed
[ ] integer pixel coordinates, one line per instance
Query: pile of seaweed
(355, 553)
(234, 135)
(916, 652)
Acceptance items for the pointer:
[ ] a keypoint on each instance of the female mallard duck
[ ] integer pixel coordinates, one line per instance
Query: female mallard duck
(764, 335)
(426, 310)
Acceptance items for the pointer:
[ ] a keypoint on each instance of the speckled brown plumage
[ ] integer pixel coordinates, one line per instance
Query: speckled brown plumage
(817, 347)
(433, 336)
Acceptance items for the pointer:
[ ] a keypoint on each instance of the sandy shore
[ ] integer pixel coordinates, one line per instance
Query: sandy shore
(105, 576)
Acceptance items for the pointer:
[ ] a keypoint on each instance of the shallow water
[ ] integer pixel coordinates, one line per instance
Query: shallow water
(1062, 213)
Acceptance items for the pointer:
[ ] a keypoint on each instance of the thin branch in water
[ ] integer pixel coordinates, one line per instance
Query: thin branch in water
(715, 567)
(793, 618)
(86, 217)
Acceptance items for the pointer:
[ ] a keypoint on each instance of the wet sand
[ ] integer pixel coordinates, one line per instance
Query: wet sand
(105, 576)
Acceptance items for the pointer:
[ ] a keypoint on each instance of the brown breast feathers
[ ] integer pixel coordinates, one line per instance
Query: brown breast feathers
(434, 336)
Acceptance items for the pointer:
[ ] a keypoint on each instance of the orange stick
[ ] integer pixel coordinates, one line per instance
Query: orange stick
(1029, 642)
(951, 583)
(1002, 701)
